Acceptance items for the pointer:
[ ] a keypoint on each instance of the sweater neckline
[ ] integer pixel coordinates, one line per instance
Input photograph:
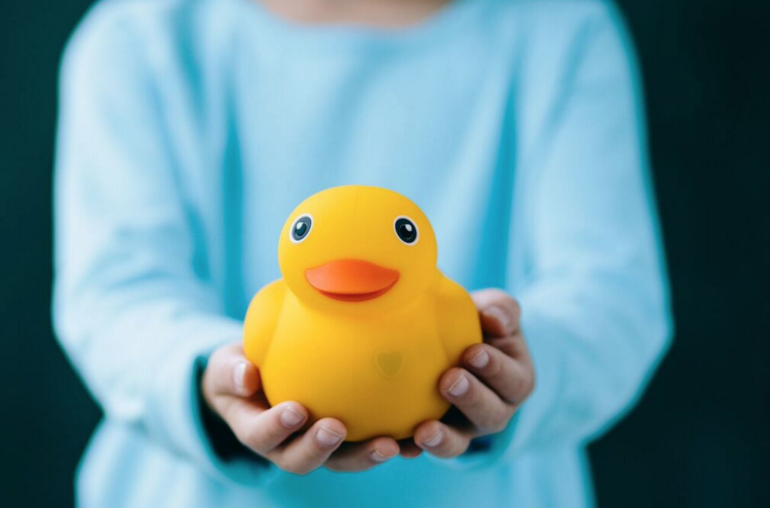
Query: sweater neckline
(287, 34)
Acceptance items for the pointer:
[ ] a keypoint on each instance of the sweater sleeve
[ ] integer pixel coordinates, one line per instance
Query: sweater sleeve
(595, 310)
(132, 308)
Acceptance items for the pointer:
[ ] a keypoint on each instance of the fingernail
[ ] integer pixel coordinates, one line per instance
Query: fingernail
(480, 360)
(379, 457)
(328, 438)
(291, 418)
(459, 387)
(434, 440)
(239, 376)
(500, 316)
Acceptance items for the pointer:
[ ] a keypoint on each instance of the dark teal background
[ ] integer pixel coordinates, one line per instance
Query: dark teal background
(701, 435)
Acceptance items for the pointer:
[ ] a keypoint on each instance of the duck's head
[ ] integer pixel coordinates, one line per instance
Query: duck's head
(356, 249)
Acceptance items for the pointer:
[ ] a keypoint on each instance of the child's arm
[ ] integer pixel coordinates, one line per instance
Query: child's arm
(132, 306)
(135, 307)
(593, 291)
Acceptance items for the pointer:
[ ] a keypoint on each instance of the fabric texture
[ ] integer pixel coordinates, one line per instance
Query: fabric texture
(188, 131)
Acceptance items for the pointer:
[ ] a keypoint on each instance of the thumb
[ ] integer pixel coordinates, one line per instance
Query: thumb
(229, 372)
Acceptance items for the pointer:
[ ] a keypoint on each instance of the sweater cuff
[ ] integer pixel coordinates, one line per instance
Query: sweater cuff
(178, 416)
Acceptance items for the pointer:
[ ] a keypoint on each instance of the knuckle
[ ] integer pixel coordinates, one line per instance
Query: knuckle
(528, 385)
(446, 449)
(506, 299)
(242, 437)
(259, 437)
(502, 344)
(523, 386)
(494, 369)
(461, 446)
(498, 423)
(497, 428)
(520, 384)
(497, 293)
(514, 304)
(294, 468)
(218, 356)
(240, 432)
(517, 390)
(337, 464)
(249, 441)
(226, 356)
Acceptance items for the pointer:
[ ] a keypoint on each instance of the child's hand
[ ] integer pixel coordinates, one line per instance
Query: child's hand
(498, 376)
(231, 388)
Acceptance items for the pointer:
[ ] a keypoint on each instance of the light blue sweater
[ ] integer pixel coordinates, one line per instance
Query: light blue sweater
(189, 129)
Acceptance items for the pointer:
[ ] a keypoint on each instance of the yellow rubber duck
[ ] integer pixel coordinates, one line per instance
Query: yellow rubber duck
(363, 323)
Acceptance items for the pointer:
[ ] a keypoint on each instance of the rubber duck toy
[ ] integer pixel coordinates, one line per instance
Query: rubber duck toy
(363, 323)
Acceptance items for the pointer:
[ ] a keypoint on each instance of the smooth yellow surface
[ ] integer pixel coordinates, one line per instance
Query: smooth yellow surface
(373, 364)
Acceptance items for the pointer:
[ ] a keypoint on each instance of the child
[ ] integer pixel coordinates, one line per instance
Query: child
(189, 129)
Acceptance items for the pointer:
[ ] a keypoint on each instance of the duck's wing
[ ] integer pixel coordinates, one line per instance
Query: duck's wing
(261, 320)
(457, 318)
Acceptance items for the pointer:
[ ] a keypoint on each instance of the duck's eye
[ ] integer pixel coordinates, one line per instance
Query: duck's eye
(301, 228)
(406, 230)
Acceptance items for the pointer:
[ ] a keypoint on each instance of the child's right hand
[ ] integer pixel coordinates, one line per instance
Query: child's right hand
(231, 388)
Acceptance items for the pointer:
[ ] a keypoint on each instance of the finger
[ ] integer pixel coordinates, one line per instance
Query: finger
(310, 450)
(362, 456)
(512, 380)
(229, 373)
(498, 311)
(483, 407)
(441, 440)
(264, 430)
(408, 449)
(505, 344)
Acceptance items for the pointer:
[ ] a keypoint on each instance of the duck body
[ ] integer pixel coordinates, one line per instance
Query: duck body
(373, 365)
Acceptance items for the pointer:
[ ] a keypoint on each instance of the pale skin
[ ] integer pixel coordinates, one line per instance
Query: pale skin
(385, 14)
(493, 380)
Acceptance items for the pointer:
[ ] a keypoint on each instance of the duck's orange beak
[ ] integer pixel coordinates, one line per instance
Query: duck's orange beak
(351, 280)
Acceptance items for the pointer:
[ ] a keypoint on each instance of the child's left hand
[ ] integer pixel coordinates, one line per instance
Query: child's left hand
(494, 380)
